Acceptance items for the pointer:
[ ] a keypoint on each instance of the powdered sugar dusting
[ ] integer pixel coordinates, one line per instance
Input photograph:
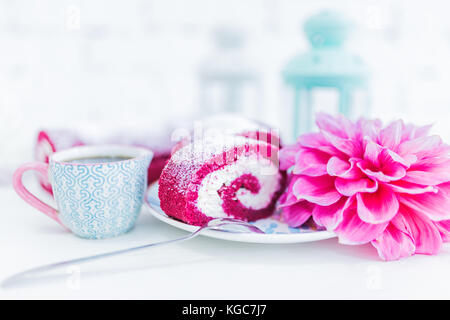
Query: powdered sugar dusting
(202, 150)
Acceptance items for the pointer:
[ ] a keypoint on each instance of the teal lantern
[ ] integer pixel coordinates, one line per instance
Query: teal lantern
(327, 65)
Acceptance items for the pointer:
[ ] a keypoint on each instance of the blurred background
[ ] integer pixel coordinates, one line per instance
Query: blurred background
(152, 63)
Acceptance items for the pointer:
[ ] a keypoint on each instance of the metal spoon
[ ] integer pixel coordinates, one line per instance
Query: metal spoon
(214, 224)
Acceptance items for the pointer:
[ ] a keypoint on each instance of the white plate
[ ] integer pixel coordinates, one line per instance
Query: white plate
(275, 231)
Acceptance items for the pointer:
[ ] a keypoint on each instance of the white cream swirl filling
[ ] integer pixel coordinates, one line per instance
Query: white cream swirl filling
(209, 201)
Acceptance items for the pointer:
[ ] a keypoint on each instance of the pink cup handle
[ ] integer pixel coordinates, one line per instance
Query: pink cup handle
(26, 195)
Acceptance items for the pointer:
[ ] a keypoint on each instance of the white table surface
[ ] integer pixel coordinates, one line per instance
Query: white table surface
(204, 268)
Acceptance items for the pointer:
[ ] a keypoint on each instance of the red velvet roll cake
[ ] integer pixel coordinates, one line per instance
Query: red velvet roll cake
(232, 176)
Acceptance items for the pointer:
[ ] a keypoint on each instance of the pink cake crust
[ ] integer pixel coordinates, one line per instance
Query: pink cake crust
(181, 179)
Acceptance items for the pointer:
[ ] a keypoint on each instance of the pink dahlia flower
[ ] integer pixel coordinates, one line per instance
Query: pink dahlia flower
(387, 185)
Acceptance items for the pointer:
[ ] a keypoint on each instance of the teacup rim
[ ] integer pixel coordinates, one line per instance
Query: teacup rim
(134, 152)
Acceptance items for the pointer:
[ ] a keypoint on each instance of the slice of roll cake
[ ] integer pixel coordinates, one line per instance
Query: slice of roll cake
(231, 176)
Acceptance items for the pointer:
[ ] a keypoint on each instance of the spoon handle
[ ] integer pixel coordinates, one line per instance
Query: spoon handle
(49, 267)
(215, 224)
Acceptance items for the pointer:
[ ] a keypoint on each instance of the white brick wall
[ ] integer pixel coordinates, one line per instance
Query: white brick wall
(135, 61)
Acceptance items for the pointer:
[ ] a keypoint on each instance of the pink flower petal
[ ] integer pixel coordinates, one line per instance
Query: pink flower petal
(426, 163)
(329, 123)
(421, 147)
(421, 131)
(343, 169)
(315, 140)
(382, 164)
(444, 229)
(394, 244)
(318, 190)
(338, 126)
(368, 128)
(297, 214)
(388, 157)
(331, 216)
(411, 131)
(377, 207)
(352, 230)
(287, 199)
(433, 205)
(349, 187)
(422, 230)
(311, 162)
(372, 152)
(393, 173)
(352, 148)
(433, 172)
(287, 156)
(402, 186)
(390, 137)
(432, 177)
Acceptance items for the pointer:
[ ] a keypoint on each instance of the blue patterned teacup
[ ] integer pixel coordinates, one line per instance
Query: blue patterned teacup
(98, 190)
